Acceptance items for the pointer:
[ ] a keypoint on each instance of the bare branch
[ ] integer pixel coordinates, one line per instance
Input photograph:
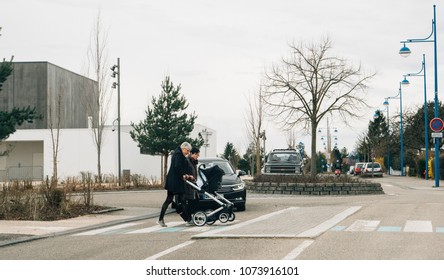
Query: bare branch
(309, 84)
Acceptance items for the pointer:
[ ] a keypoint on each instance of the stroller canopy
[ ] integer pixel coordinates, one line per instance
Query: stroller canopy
(212, 177)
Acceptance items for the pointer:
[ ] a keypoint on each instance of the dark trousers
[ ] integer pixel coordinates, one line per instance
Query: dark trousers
(185, 213)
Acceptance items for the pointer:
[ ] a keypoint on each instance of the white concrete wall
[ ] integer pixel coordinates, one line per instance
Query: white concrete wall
(77, 151)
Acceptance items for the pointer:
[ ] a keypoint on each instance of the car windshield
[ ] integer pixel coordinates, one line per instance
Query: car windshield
(283, 157)
(224, 165)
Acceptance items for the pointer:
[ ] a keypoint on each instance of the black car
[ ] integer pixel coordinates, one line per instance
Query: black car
(233, 188)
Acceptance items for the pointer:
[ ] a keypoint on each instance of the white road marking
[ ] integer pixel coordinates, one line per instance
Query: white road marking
(317, 230)
(155, 228)
(102, 230)
(418, 226)
(298, 250)
(236, 226)
(198, 229)
(170, 250)
(363, 225)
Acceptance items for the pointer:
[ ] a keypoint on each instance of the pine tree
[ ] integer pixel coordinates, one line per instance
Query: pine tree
(166, 124)
(10, 120)
(231, 154)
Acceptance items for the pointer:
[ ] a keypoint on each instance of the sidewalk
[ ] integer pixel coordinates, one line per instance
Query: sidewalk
(408, 182)
(12, 232)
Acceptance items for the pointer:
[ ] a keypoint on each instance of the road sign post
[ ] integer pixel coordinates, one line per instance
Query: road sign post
(437, 125)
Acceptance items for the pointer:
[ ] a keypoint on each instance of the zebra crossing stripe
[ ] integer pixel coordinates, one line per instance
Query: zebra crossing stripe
(440, 229)
(338, 228)
(389, 229)
(418, 226)
(323, 227)
(363, 225)
(155, 228)
(410, 226)
(106, 229)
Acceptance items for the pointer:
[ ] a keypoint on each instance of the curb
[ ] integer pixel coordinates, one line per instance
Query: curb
(78, 230)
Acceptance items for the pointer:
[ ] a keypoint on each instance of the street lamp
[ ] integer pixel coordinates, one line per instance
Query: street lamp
(405, 82)
(205, 133)
(405, 51)
(116, 73)
(387, 106)
(326, 139)
(401, 127)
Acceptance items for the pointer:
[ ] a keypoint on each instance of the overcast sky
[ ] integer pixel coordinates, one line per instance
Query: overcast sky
(218, 50)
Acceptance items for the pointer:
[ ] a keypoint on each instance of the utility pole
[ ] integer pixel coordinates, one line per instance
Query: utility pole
(116, 72)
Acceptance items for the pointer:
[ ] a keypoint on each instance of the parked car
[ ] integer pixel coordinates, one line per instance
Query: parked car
(371, 169)
(358, 168)
(233, 188)
(284, 161)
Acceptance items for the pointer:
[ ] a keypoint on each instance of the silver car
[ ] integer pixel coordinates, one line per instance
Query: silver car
(371, 169)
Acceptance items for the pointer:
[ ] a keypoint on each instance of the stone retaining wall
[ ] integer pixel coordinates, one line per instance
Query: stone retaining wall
(357, 188)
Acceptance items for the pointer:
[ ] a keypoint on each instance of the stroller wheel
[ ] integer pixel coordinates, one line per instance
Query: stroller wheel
(199, 218)
(224, 217)
(232, 217)
(210, 220)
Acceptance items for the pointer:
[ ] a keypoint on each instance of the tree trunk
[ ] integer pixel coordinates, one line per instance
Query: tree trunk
(165, 167)
(258, 155)
(99, 165)
(313, 170)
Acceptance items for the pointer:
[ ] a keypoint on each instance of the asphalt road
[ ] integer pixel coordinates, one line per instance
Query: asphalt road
(405, 223)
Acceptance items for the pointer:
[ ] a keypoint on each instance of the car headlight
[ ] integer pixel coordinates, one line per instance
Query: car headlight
(239, 187)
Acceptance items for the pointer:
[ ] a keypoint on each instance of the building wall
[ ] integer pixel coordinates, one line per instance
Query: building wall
(73, 90)
(38, 84)
(77, 152)
(26, 86)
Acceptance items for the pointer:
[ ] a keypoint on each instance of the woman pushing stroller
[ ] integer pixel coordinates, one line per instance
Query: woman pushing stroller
(178, 173)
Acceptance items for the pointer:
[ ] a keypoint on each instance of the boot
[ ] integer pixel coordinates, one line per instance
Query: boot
(161, 223)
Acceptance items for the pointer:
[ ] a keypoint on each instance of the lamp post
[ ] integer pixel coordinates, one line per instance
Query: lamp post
(401, 127)
(402, 131)
(205, 133)
(387, 105)
(405, 51)
(116, 72)
(328, 140)
(405, 82)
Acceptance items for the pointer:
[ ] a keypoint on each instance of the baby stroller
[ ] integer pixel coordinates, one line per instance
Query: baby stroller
(208, 182)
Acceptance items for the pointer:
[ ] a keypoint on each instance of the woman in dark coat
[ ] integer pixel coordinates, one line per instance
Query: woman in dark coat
(191, 195)
(175, 182)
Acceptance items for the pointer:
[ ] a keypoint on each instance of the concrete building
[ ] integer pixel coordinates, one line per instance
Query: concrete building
(28, 153)
(39, 84)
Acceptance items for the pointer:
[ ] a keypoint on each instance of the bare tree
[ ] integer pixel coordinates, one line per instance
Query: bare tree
(310, 84)
(55, 136)
(98, 103)
(255, 119)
